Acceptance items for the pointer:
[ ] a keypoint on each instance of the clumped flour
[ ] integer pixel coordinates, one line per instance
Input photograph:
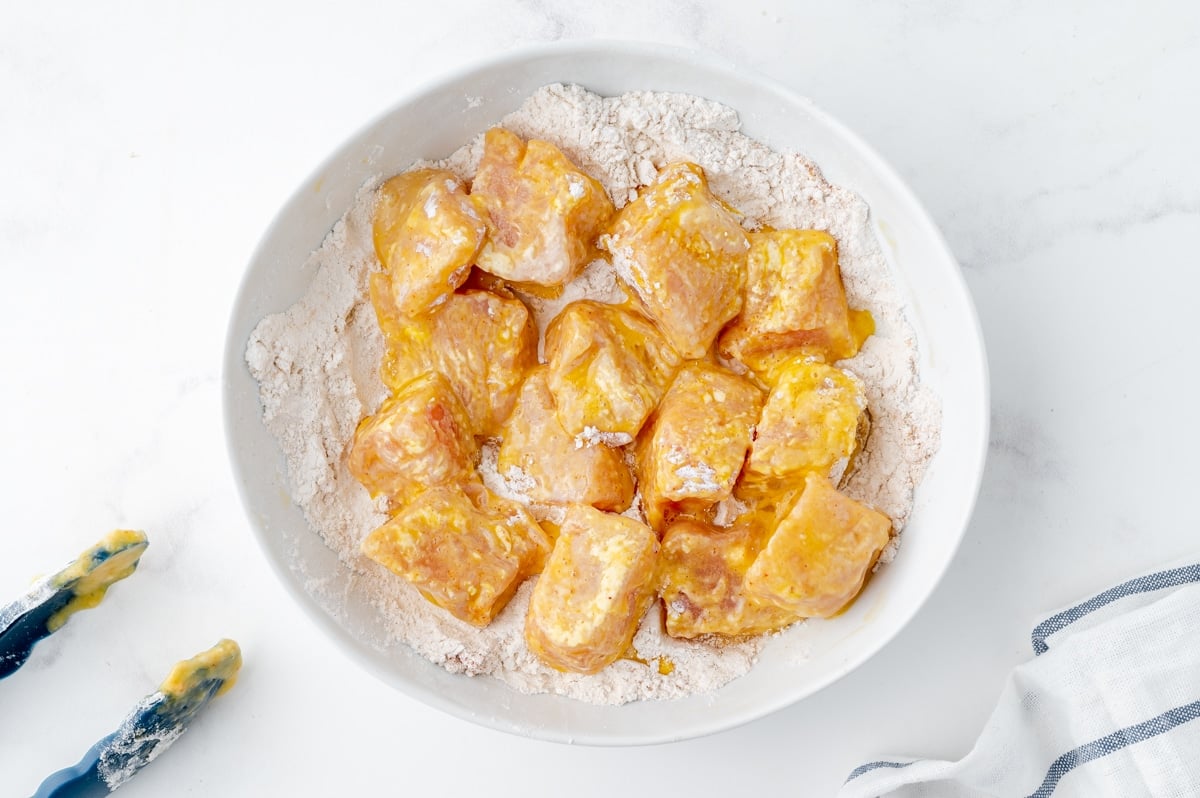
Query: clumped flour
(317, 365)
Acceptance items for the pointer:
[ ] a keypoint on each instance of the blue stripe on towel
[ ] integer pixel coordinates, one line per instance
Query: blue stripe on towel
(1143, 584)
(861, 769)
(1115, 742)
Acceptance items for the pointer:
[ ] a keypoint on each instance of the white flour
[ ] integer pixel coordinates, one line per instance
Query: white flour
(317, 364)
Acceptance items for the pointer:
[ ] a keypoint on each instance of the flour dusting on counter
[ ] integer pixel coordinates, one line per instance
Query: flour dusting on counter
(317, 365)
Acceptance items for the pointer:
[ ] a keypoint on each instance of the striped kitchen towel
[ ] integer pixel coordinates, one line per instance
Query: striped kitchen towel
(1109, 706)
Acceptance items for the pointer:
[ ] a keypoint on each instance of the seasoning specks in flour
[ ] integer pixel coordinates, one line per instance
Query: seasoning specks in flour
(317, 366)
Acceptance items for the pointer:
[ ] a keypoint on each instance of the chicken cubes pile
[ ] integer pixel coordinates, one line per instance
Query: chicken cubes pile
(684, 446)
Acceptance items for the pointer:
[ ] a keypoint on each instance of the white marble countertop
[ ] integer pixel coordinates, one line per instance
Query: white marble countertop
(144, 151)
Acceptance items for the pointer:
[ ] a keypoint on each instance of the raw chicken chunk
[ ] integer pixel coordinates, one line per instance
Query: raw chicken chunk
(684, 253)
(541, 457)
(703, 574)
(467, 560)
(795, 302)
(427, 231)
(519, 533)
(482, 343)
(542, 213)
(815, 420)
(695, 444)
(608, 368)
(597, 585)
(418, 438)
(818, 558)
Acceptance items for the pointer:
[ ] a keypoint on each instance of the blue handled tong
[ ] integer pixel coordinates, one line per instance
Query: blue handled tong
(159, 718)
(153, 725)
(51, 601)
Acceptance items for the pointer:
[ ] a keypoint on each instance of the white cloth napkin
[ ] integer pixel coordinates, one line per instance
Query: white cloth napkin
(1109, 706)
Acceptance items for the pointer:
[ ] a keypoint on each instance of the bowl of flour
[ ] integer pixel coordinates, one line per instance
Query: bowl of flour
(303, 352)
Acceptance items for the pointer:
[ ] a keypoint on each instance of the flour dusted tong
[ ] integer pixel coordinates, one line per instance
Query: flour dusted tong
(51, 601)
(151, 727)
(158, 720)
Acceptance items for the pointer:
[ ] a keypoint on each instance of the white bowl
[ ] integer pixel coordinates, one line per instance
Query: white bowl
(433, 122)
